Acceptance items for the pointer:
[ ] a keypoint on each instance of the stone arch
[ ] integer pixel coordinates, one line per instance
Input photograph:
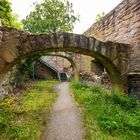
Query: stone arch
(17, 45)
(66, 56)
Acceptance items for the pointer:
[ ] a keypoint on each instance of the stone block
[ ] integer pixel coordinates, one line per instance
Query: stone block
(134, 84)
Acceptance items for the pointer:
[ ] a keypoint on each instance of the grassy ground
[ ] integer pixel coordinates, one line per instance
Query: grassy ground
(24, 118)
(107, 116)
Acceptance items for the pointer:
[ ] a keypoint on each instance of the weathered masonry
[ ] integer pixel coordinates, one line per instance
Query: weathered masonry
(114, 42)
(69, 58)
(17, 45)
(122, 25)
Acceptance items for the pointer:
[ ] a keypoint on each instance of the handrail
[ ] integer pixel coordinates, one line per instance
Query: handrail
(48, 65)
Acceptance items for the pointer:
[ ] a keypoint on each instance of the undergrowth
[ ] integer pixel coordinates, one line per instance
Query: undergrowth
(107, 115)
(24, 118)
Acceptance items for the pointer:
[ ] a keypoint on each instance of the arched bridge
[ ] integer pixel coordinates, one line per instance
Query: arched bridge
(17, 45)
(67, 56)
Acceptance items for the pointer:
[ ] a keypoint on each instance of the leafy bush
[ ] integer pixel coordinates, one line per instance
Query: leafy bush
(125, 101)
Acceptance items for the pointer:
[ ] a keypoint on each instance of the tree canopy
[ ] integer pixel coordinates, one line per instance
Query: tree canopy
(50, 16)
(47, 17)
(5, 12)
(7, 18)
(15, 23)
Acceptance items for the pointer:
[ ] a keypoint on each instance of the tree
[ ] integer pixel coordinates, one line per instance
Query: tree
(15, 23)
(100, 16)
(7, 18)
(50, 16)
(5, 12)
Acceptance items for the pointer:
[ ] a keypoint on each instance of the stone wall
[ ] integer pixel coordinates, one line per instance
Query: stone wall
(97, 67)
(6, 87)
(3, 88)
(59, 63)
(121, 25)
(83, 63)
(134, 84)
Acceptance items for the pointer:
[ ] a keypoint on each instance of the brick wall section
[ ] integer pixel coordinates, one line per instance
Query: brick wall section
(121, 25)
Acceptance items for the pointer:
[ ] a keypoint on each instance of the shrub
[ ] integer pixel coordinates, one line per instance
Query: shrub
(124, 101)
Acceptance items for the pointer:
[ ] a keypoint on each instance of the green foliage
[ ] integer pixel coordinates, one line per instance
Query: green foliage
(108, 115)
(15, 23)
(7, 18)
(24, 118)
(125, 102)
(23, 72)
(100, 16)
(50, 16)
(5, 12)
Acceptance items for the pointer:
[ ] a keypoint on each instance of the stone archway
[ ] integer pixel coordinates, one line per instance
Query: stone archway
(17, 45)
(67, 57)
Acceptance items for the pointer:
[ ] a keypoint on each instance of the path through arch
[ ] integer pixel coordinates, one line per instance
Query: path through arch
(67, 57)
(65, 120)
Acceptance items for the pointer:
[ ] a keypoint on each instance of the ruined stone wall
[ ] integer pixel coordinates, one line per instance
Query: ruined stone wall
(3, 88)
(86, 63)
(6, 87)
(83, 63)
(121, 25)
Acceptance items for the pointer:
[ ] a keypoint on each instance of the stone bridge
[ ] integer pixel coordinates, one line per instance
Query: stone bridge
(17, 45)
(68, 57)
(114, 42)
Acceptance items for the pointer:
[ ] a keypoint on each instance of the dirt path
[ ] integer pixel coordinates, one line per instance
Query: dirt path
(65, 119)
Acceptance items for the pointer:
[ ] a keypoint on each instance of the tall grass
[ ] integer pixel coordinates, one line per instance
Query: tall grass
(25, 118)
(107, 115)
